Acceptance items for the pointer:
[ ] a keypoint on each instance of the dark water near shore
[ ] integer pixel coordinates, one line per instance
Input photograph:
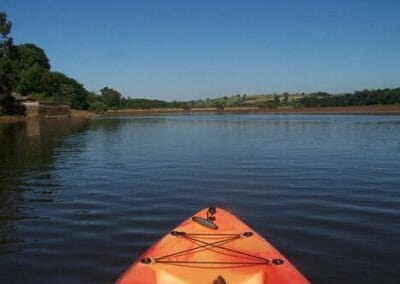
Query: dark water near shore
(80, 200)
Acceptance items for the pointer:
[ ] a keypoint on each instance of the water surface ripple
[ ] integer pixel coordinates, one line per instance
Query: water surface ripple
(80, 200)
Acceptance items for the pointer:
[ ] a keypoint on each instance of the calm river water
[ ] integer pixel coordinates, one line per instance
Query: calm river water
(80, 200)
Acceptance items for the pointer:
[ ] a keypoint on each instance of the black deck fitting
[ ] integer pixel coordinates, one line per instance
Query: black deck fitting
(247, 234)
(277, 261)
(212, 210)
(145, 260)
(178, 234)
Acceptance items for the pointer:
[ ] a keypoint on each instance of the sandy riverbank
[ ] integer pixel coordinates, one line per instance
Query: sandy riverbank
(75, 114)
(11, 118)
(82, 114)
(360, 110)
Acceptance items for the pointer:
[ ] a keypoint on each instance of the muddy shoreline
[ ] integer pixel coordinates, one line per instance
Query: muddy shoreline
(362, 110)
(348, 110)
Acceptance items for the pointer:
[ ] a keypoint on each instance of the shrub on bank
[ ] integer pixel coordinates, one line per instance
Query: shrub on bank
(98, 107)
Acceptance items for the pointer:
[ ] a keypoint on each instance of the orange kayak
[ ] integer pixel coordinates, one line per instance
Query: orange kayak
(215, 247)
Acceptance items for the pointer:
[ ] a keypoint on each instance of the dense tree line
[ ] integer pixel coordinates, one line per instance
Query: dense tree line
(358, 98)
(296, 100)
(7, 56)
(110, 99)
(25, 69)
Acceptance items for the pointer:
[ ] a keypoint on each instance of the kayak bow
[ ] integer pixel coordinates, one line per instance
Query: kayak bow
(215, 247)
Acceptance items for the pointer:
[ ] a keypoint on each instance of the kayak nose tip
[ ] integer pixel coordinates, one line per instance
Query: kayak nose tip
(219, 280)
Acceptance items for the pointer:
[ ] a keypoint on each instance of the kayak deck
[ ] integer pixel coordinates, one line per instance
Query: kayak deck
(197, 252)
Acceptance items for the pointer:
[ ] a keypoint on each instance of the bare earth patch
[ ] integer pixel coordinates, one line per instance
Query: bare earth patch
(82, 113)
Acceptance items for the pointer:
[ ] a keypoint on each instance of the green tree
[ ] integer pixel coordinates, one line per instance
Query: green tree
(29, 55)
(267, 104)
(33, 80)
(7, 74)
(26, 69)
(5, 56)
(219, 106)
(98, 107)
(68, 90)
(286, 98)
(110, 97)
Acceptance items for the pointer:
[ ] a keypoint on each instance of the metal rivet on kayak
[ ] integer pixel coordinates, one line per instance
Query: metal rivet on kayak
(247, 234)
(277, 261)
(146, 260)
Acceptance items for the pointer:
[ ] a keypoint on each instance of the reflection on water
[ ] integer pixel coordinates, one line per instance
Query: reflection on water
(27, 158)
(79, 200)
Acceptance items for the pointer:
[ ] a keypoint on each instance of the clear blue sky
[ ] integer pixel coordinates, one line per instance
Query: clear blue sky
(187, 49)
